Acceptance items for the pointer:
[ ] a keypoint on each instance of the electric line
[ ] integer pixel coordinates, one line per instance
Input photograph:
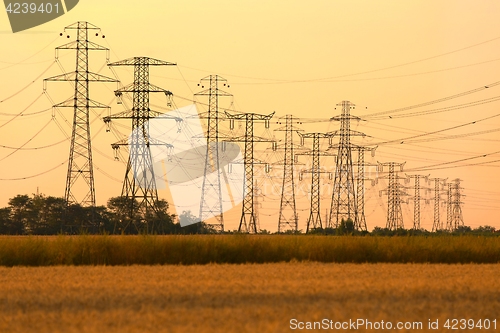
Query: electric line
(25, 114)
(34, 136)
(29, 84)
(20, 113)
(35, 148)
(445, 109)
(358, 73)
(436, 101)
(36, 175)
(31, 56)
(400, 141)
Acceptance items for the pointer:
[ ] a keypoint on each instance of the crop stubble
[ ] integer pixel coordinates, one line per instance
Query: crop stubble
(239, 298)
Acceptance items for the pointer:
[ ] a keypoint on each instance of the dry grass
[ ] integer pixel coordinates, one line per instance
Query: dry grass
(240, 249)
(239, 298)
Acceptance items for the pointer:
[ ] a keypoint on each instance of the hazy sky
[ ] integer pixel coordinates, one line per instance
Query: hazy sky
(282, 56)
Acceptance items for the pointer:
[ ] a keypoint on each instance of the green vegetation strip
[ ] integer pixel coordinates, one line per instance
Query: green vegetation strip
(240, 249)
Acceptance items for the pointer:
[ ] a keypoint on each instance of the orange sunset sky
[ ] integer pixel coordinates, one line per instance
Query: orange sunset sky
(292, 57)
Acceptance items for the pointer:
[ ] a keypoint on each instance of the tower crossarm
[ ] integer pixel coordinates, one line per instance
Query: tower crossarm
(71, 76)
(142, 61)
(69, 103)
(147, 88)
(91, 46)
(130, 114)
(254, 116)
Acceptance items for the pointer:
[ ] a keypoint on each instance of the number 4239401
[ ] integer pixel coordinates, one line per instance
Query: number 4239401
(464, 324)
(32, 8)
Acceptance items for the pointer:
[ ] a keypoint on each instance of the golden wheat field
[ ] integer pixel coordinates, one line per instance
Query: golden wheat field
(243, 249)
(242, 298)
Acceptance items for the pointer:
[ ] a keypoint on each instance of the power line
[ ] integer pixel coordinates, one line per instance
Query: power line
(25, 114)
(20, 113)
(445, 109)
(36, 175)
(34, 136)
(29, 84)
(34, 148)
(31, 56)
(275, 81)
(402, 140)
(435, 101)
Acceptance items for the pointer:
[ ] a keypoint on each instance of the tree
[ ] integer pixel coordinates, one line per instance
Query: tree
(346, 227)
(160, 222)
(5, 221)
(47, 214)
(19, 211)
(484, 229)
(123, 220)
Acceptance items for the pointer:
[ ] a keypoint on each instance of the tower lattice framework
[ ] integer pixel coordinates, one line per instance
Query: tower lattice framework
(343, 204)
(314, 219)
(360, 221)
(80, 174)
(455, 218)
(248, 219)
(438, 184)
(449, 206)
(288, 219)
(395, 191)
(417, 198)
(139, 185)
(211, 195)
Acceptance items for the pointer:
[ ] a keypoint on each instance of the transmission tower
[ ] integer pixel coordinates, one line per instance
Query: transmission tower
(417, 198)
(288, 220)
(80, 167)
(454, 216)
(211, 195)
(247, 221)
(394, 193)
(256, 205)
(139, 185)
(449, 206)
(314, 220)
(360, 222)
(438, 183)
(343, 204)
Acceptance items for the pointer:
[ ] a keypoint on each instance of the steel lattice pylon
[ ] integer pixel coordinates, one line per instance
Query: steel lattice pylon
(343, 204)
(288, 219)
(417, 198)
(449, 207)
(256, 205)
(314, 220)
(140, 180)
(438, 183)
(248, 221)
(211, 195)
(360, 222)
(394, 193)
(80, 167)
(454, 210)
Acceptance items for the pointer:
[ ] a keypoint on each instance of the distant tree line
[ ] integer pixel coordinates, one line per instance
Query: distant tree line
(47, 215)
(347, 228)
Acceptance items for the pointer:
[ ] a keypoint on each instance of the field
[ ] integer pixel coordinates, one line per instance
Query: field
(245, 283)
(242, 298)
(241, 249)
